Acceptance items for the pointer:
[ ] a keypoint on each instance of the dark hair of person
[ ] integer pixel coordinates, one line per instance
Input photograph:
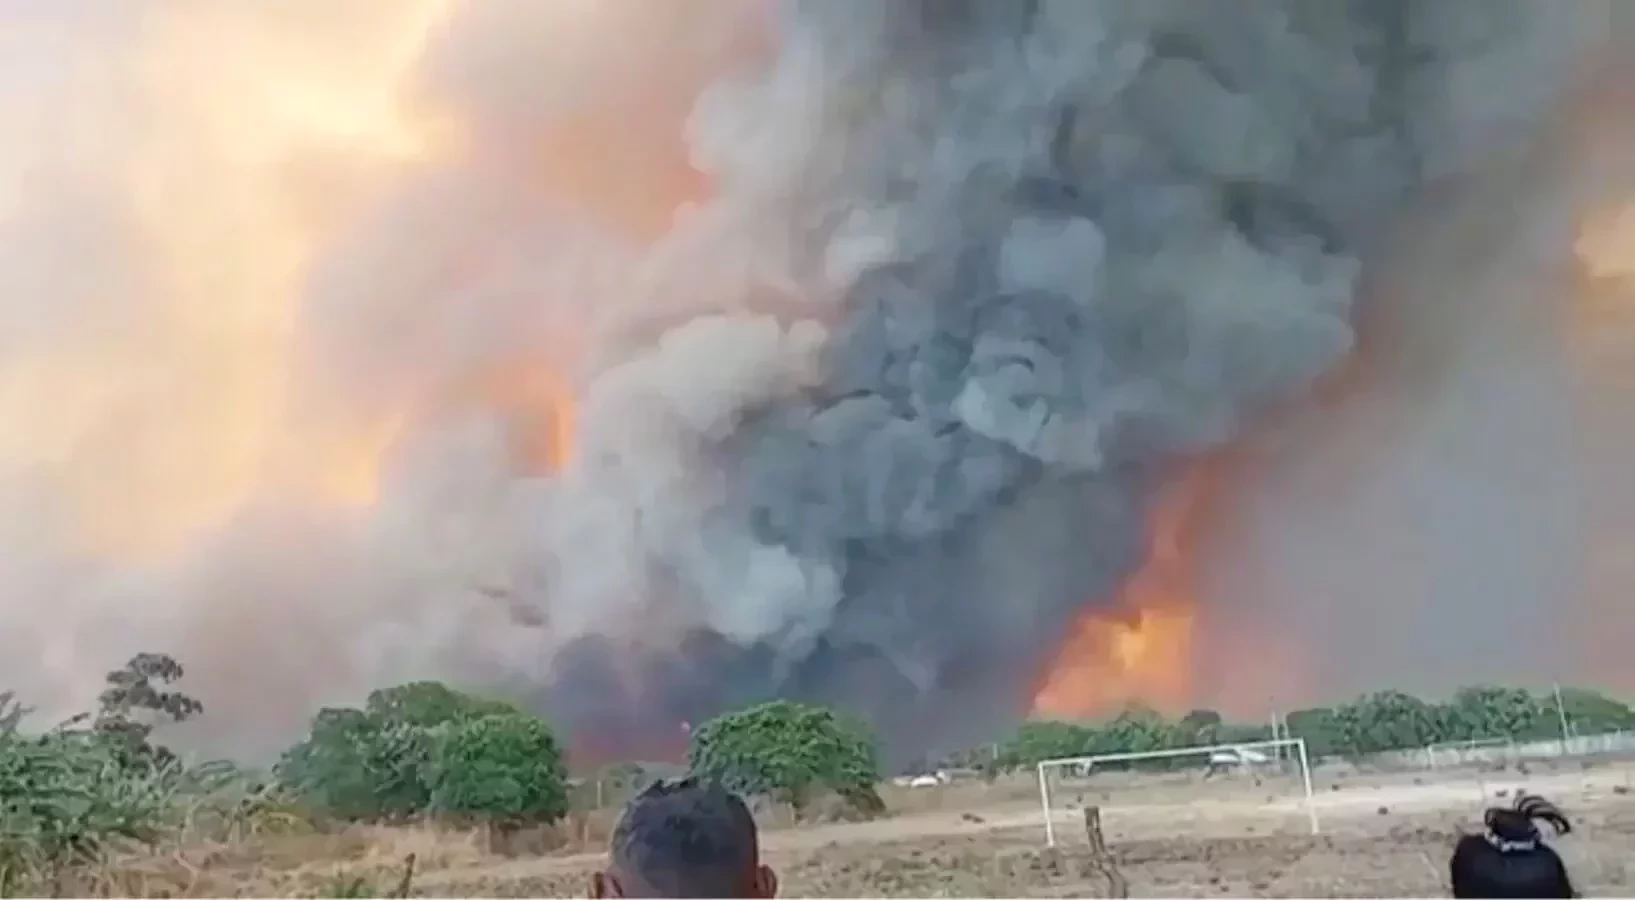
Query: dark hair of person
(687, 838)
(1509, 857)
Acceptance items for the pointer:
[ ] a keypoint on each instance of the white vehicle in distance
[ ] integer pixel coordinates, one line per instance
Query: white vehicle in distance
(936, 779)
(1228, 759)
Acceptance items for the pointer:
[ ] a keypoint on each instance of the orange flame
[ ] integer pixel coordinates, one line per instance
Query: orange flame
(1139, 650)
(275, 134)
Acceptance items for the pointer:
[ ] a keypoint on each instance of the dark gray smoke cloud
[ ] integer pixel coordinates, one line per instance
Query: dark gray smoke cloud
(1097, 237)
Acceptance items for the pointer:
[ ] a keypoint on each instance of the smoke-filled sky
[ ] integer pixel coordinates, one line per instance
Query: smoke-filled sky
(647, 356)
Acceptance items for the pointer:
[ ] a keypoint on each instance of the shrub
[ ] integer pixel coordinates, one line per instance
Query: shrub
(70, 796)
(790, 752)
(358, 767)
(428, 704)
(505, 770)
(1035, 742)
(376, 763)
(62, 802)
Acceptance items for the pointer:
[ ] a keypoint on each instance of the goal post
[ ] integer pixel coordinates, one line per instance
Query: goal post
(1246, 754)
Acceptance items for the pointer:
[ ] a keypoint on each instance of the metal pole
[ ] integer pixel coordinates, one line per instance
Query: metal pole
(1561, 716)
(1305, 777)
(1044, 803)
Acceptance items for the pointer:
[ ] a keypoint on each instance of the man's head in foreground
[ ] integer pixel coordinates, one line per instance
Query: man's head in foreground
(685, 838)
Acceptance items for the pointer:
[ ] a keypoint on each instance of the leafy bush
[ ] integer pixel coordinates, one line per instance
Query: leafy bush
(1483, 713)
(66, 798)
(72, 795)
(428, 704)
(505, 769)
(377, 763)
(790, 752)
(1374, 723)
(1036, 742)
(354, 766)
(1388, 720)
(1317, 727)
(1591, 712)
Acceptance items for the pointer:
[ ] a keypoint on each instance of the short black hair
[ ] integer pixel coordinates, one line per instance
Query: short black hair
(1509, 857)
(687, 838)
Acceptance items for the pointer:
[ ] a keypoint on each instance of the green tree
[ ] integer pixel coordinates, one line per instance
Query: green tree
(789, 751)
(375, 763)
(1318, 727)
(354, 766)
(1036, 742)
(73, 794)
(428, 704)
(506, 770)
(1198, 728)
(1138, 729)
(134, 702)
(136, 690)
(69, 797)
(1488, 712)
(1591, 712)
(1387, 720)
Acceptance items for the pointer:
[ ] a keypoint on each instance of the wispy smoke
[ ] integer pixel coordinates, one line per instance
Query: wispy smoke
(867, 419)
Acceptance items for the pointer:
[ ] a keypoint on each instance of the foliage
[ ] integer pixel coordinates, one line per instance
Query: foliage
(1317, 727)
(133, 704)
(134, 689)
(791, 752)
(1137, 729)
(376, 764)
(1387, 720)
(67, 797)
(11, 714)
(1487, 712)
(73, 794)
(428, 704)
(1374, 723)
(1590, 712)
(505, 769)
(1035, 742)
(354, 766)
(1199, 727)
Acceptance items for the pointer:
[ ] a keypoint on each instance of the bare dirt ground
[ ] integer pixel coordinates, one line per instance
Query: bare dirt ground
(1174, 835)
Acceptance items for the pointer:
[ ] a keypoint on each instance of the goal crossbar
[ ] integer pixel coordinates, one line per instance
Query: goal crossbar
(1297, 744)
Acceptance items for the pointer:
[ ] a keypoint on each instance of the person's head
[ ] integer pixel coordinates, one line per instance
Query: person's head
(685, 838)
(1509, 858)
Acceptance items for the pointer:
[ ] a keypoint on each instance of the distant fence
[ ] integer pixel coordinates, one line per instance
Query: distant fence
(607, 792)
(1502, 752)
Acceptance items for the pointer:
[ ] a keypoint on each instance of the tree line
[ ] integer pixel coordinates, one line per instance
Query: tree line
(1379, 722)
(100, 783)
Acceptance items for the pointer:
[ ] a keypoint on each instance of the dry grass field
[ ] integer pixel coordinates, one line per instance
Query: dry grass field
(1175, 835)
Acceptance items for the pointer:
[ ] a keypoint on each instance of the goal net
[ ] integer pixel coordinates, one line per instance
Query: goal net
(1244, 777)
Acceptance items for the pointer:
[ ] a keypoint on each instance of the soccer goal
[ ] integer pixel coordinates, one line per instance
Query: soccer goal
(1256, 758)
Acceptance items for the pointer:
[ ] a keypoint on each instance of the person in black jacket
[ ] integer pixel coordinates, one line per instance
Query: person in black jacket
(1509, 857)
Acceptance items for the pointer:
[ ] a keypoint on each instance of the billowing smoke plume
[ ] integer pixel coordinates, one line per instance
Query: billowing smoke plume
(865, 412)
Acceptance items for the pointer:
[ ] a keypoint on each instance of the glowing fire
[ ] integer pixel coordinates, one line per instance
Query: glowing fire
(1607, 244)
(1139, 649)
(1604, 350)
(263, 142)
